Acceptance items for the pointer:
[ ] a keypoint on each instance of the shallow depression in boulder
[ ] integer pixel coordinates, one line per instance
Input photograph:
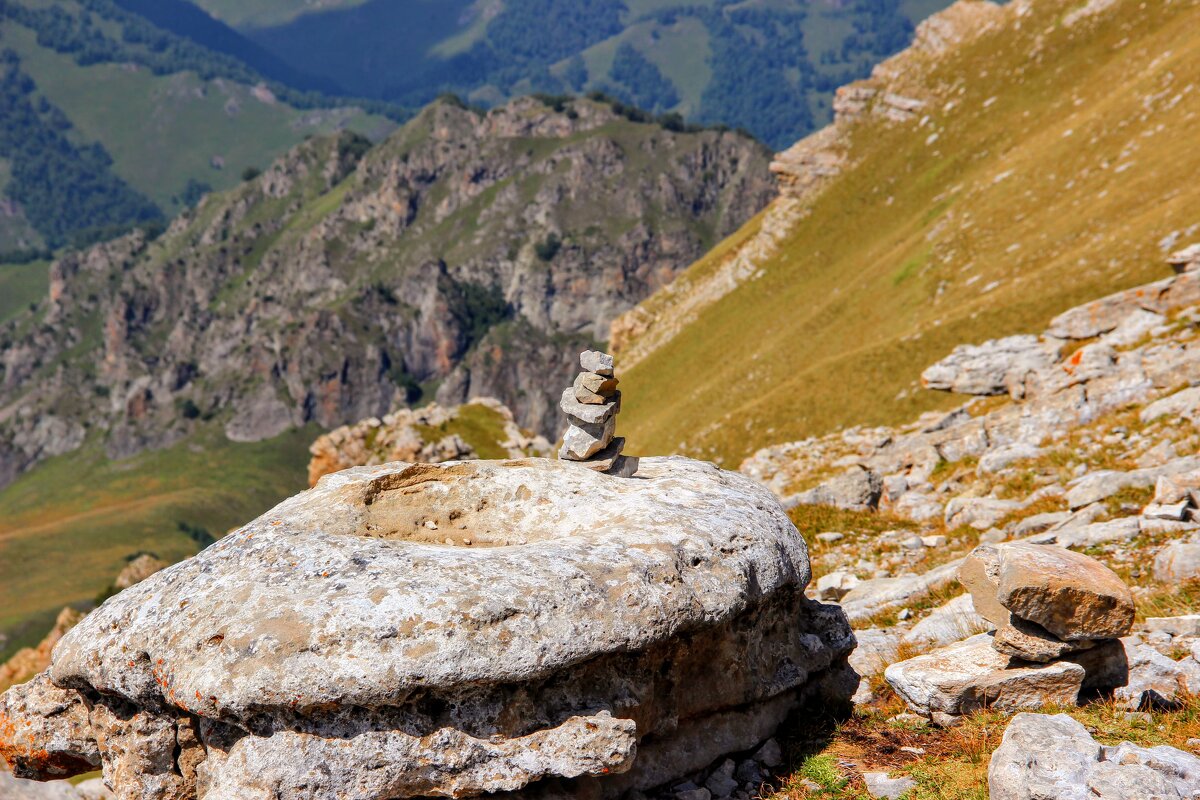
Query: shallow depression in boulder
(460, 505)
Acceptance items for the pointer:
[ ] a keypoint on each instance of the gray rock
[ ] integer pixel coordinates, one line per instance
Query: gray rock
(597, 362)
(881, 594)
(972, 674)
(1156, 681)
(1186, 625)
(518, 637)
(1046, 757)
(721, 782)
(1133, 328)
(998, 458)
(980, 513)
(1177, 562)
(994, 367)
(13, 788)
(857, 489)
(769, 755)
(1184, 404)
(1097, 486)
(1042, 757)
(581, 442)
(880, 784)
(588, 413)
(949, 623)
(835, 585)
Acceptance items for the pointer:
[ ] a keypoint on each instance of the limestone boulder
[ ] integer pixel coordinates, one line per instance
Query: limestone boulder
(1044, 757)
(994, 367)
(414, 630)
(972, 674)
(857, 489)
(1071, 595)
(1178, 561)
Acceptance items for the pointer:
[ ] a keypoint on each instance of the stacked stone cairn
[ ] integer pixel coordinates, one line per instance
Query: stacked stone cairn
(591, 405)
(1059, 616)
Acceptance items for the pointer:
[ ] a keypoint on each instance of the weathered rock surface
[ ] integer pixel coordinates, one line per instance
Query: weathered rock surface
(995, 367)
(1045, 601)
(1177, 562)
(1045, 757)
(451, 629)
(857, 489)
(972, 674)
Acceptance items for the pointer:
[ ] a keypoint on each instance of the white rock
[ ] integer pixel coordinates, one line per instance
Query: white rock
(949, 623)
(1045, 757)
(1186, 625)
(835, 585)
(971, 674)
(880, 784)
(1177, 562)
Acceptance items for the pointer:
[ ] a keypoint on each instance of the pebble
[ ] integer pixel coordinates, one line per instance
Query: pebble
(830, 537)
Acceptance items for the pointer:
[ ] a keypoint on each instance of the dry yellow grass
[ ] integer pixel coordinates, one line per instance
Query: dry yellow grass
(1062, 156)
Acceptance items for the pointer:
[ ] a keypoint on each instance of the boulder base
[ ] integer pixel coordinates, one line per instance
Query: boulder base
(449, 630)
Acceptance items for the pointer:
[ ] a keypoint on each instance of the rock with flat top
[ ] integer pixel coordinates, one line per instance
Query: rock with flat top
(594, 389)
(995, 367)
(972, 674)
(414, 630)
(582, 441)
(597, 362)
(1071, 595)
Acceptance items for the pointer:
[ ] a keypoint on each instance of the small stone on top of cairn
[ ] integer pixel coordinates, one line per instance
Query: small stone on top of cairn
(591, 405)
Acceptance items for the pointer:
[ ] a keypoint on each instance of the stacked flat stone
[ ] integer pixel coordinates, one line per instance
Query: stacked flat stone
(1046, 601)
(591, 405)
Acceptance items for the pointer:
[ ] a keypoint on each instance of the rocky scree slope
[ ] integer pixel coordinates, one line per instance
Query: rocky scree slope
(1065, 498)
(481, 428)
(462, 254)
(1015, 161)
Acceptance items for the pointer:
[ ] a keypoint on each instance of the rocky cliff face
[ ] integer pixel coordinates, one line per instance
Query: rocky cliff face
(461, 257)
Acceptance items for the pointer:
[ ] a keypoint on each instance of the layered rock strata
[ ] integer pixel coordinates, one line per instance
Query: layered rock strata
(591, 405)
(447, 630)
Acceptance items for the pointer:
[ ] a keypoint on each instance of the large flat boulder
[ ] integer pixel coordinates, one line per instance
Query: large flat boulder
(457, 629)
(972, 674)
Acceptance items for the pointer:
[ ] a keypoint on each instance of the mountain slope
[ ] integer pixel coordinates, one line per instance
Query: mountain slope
(766, 67)
(468, 255)
(1017, 161)
(109, 121)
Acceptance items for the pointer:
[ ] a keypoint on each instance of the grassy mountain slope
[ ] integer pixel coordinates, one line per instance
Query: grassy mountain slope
(110, 121)
(1052, 162)
(62, 539)
(263, 13)
(767, 67)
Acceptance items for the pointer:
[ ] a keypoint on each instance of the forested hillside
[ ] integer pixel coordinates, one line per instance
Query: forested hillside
(108, 121)
(768, 67)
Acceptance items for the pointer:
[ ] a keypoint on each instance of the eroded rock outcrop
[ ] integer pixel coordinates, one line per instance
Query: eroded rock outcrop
(417, 630)
(480, 428)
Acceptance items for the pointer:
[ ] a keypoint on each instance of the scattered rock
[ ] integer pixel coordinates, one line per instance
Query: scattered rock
(1186, 625)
